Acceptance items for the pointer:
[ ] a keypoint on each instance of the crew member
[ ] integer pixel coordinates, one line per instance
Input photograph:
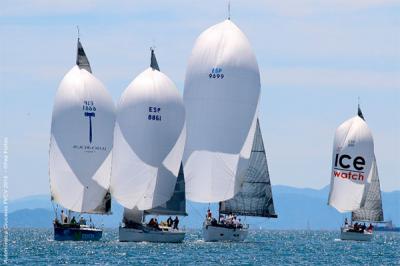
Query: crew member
(64, 218)
(176, 223)
(209, 214)
(169, 221)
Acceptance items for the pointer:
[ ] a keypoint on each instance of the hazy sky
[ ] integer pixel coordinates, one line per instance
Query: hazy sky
(315, 58)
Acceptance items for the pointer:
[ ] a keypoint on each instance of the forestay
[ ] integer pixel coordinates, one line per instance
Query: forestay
(352, 160)
(222, 88)
(176, 205)
(81, 141)
(148, 142)
(255, 195)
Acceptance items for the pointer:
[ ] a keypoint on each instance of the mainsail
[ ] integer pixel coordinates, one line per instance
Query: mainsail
(255, 196)
(81, 141)
(352, 165)
(359, 113)
(176, 205)
(372, 209)
(149, 141)
(222, 89)
(81, 58)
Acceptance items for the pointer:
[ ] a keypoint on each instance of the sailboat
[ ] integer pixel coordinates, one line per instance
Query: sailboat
(147, 176)
(80, 151)
(224, 157)
(355, 183)
(133, 231)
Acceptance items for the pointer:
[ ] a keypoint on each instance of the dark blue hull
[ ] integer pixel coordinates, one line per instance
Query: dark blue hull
(66, 233)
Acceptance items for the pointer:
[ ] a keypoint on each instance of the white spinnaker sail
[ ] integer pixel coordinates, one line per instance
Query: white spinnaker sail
(81, 142)
(352, 159)
(148, 142)
(222, 89)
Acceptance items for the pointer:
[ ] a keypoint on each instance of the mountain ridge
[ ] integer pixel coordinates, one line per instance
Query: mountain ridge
(297, 208)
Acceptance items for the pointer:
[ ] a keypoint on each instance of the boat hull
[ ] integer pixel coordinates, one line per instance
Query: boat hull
(218, 233)
(347, 235)
(77, 233)
(143, 235)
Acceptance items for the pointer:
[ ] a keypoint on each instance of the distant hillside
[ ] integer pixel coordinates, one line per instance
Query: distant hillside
(297, 208)
(30, 202)
(309, 192)
(29, 218)
(307, 208)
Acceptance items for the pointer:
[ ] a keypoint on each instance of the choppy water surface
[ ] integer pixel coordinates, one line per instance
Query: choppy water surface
(36, 247)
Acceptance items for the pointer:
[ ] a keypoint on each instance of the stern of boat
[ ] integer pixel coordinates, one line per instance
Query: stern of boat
(213, 233)
(149, 235)
(346, 234)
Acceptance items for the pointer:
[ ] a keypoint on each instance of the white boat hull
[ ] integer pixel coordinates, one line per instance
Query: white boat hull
(218, 233)
(347, 235)
(140, 235)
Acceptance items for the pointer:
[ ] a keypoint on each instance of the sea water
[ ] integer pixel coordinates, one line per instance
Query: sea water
(37, 247)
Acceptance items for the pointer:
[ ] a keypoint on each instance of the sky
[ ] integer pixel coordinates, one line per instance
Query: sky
(315, 57)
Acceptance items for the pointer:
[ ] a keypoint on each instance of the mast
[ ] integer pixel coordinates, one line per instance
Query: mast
(229, 10)
(219, 210)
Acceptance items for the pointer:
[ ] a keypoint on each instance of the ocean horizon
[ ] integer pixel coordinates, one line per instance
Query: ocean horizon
(262, 247)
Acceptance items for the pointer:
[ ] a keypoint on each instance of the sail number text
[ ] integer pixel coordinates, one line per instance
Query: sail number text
(154, 113)
(88, 106)
(216, 73)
